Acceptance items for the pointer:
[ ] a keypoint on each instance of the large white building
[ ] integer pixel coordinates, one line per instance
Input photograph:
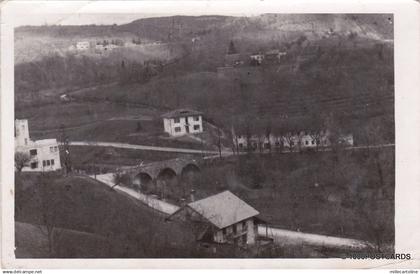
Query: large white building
(44, 154)
(300, 140)
(183, 121)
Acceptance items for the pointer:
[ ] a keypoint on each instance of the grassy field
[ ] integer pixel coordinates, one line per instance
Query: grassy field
(77, 114)
(84, 157)
(85, 208)
(345, 194)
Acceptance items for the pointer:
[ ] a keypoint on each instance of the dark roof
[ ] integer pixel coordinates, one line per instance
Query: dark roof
(181, 113)
(223, 209)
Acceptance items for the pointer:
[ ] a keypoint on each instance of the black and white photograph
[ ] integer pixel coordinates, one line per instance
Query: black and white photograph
(221, 136)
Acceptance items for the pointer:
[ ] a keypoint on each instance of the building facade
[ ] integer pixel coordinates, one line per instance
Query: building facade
(183, 121)
(221, 219)
(83, 45)
(44, 154)
(301, 140)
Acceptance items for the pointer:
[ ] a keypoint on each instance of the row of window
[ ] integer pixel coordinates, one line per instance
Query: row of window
(178, 129)
(178, 120)
(34, 152)
(48, 162)
(235, 227)
(45, 163)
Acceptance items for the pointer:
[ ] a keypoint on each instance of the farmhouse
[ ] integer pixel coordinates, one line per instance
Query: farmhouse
(183, 121)
(222, 218)
(44, 154)
(83, 45)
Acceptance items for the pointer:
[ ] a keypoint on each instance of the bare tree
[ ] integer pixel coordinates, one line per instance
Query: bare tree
(49, 213)
(289, 138)
(21, 160)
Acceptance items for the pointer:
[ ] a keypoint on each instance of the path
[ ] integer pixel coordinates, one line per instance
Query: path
(142, 147)
(156, 204)
(280, 236)
(284, 236)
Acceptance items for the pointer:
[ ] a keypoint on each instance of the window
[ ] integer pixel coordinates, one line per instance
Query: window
(48, 162)
(33, 152)
(55, 148)
(51, 149)
(224, 231)
(44, 163)
(306, 143)
(244, 226)
(52, 162)
(34, 165)
(196, 127)
(178, 129)
(177, 120)
(234, 229)
(196, 118)
(313, 142)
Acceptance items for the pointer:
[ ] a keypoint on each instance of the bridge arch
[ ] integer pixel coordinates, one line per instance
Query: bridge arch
(190, 167)
(144, 181)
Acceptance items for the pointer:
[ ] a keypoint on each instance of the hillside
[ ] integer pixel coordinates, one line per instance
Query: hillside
(42, 40)
(340, 64)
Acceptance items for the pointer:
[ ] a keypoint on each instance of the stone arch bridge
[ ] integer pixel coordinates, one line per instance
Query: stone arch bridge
(174, 173)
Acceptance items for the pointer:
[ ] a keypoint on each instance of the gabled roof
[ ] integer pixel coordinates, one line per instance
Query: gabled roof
(223, 209)
(181, 113)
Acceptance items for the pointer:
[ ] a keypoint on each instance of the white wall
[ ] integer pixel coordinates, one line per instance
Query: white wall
(46, 153)
(172, 124)
(21, 133)
(46, 150)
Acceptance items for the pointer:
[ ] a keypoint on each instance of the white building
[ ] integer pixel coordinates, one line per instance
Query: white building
(225, 219)
(83, 45)
(293, 140)
(258, 58)
(183, 121)
(44, 154)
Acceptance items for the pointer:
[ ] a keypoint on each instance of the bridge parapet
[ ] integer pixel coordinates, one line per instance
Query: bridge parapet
(154, 169)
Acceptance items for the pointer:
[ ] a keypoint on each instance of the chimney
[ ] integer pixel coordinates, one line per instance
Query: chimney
(192, 196)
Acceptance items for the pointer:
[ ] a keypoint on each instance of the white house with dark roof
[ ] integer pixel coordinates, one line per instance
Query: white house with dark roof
(183, 121)
(44, 154)
(222, 218)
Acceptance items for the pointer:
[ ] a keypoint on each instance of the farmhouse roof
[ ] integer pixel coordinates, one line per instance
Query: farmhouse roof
(223, 209)
(181, 113)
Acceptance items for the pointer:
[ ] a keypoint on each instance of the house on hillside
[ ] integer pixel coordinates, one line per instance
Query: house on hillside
(221, 219)
(83, 45)
(274, 55)
(44, 154)
(256, 59)
(183, 121)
